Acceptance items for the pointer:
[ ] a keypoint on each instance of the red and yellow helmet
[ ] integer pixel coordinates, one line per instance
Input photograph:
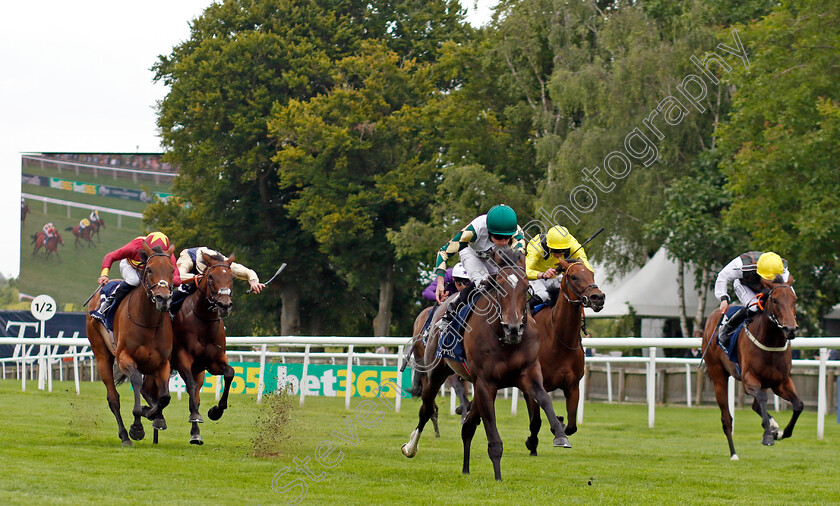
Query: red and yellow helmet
(158, 239)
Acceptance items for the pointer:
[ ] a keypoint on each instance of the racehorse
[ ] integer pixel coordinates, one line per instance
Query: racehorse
(200, 337)
(143, 347)
(561, 352)
(95, 226)
(501, 346)
(50, 247)
(84, 234)
(764, 356)
(24, 210)
(418, 351)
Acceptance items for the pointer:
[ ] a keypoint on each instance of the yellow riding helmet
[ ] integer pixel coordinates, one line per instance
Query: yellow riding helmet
(769, 265)
(559, 238)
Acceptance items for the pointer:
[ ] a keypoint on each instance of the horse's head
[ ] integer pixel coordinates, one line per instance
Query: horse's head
(780, 306)
(217, 284)
(580, 281)
(101, 222)
(58, 236)
(158, 275)
(512, 284)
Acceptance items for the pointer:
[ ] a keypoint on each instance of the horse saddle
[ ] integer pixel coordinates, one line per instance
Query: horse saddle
(451, 340)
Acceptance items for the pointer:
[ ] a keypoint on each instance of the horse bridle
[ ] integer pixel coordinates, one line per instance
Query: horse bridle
(771, 314)
(160, 284)
(525, 308)
(209, 294)
(581, 298)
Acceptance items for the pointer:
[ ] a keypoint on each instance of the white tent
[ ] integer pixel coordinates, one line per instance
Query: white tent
(652, 292)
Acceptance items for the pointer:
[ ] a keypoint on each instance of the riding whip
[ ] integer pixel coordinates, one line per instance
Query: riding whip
(584, 243)
(272, 277)
(91, 295)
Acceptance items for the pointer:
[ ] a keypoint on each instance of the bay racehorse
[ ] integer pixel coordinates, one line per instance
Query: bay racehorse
(50, 247)
(418, 350)
(764, 355)
(200, 337)
(142, 344)
(24, 210)
(561, 351)
(95, 226)
(501, 346)
(83, 235)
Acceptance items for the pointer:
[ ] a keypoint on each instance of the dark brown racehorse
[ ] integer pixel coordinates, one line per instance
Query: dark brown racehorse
(502, 348)
(83, 235)
(50, 247)
(561, 352)
(143, 334)
(24, 210)
(95, 226)
(417, 353)
(764, 355)
(200, 337)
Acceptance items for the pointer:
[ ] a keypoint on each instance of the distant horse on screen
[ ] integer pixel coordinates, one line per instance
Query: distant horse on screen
(51, 246)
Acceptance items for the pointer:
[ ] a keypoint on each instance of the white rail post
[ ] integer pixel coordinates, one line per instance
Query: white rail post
(730, 394)
(688, 385)
(822, 399)
(398, 393)
(582, 395)
(609, 382)
(651, 387)
(303, 374)
(514, 402)
(348, 382)
(451, 401)
(219, 381)
(776, 402)
(261, 381)
(76, 368)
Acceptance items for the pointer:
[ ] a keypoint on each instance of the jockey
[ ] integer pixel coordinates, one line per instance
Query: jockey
(454, 280)
(130, 265)
(191, 264)
(83, 224)
(474, 242)
(94, 216)
(746, 272)
(544, 254)
(49, 231)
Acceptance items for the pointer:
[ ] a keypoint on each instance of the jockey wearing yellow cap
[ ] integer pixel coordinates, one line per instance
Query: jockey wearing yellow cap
(130, 264)
(544, 254)
(745, 273)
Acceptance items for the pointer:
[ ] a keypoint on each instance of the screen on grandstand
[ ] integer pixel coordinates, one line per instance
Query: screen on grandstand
(64, 189)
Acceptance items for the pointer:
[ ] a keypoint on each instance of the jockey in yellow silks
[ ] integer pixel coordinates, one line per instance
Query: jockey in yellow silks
(544, 254)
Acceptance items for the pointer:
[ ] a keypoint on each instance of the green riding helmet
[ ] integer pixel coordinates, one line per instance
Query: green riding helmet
(501, 220)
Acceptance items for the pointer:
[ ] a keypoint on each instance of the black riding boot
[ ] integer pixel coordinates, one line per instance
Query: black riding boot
(533, 302)
(733, 322)
(119, 294)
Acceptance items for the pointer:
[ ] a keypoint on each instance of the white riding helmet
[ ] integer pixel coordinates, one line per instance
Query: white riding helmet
(458, 272)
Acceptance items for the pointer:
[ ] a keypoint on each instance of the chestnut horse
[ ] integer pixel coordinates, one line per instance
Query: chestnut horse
(764, 355)
(95, 226)
(83, 235)
(200, 337)
(24, 210)
(50, 247)
(143, 334)
(561, 351)
(502, 348)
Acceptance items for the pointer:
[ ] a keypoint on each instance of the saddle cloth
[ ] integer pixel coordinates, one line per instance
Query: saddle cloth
(451, 341)
(732, 347)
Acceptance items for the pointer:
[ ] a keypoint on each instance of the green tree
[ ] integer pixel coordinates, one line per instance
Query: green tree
(780, 147)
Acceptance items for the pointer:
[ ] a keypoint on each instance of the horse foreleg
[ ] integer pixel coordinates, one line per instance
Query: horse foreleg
(531, 383)
(197, 382)
(136, 430)
(788, 392)
(485, 395)
(106, 373)
(533, 440)
(161, 380)
(719, 379)
(217, 411)
(572, 395)
(753, 387)
(467, 432)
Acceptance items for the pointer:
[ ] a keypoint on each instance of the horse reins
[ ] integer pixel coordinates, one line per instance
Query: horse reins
(581, 299)
(771, 315)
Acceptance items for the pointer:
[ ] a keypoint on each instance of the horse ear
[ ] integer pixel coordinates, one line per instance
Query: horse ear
(171, 249)
(563, 264)
(146, 248)
(230, 259)
(208, 260)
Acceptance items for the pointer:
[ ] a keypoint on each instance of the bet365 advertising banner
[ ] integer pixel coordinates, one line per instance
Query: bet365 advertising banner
(321, 380)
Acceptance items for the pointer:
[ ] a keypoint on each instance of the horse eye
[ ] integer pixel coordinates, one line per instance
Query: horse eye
(574, 278)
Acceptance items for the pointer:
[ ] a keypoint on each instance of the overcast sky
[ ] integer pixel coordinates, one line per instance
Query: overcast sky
(75, 77)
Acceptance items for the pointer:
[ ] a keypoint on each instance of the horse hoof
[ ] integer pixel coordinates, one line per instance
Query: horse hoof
(215, 413)
(196, 418)
(562, 442)
(196, 440)
(127, 442)
(159, 424)
(734, 457)
(768, 440)
(531, 444)
(136, 432)
(407, 453)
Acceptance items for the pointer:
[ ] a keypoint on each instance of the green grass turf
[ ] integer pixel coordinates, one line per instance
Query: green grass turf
(60, 448)
(74, 278)
(123, 180)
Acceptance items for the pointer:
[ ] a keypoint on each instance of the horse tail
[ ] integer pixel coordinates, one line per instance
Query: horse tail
(69, 228)
(34, 238)
(119, 376)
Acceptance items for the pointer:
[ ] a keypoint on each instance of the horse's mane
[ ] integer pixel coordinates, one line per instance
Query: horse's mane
(216, 256)
(508, 256)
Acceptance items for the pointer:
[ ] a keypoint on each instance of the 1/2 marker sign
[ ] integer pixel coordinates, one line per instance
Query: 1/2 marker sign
(43, 307)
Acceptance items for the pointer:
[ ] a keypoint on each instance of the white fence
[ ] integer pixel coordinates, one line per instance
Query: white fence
(46, 356)
(118, 212)
(96, 168)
